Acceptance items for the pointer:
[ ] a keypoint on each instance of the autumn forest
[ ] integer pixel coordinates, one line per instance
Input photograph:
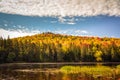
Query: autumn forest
(50, 47)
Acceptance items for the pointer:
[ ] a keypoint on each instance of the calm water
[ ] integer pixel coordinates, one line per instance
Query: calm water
(37, 71)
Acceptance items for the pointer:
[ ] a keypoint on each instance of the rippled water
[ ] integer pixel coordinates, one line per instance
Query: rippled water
(36, 71)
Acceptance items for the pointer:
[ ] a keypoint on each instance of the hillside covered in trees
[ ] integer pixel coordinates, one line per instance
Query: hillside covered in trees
(49, 47)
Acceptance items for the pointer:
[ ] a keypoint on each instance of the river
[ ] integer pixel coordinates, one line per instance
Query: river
(40, 71)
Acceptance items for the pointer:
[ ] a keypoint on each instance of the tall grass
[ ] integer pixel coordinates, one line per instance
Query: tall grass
(94, 71)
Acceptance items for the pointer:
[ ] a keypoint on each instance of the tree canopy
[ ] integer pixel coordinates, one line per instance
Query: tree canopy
(50, 47)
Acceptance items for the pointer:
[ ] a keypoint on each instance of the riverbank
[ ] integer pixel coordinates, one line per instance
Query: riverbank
(96, 72)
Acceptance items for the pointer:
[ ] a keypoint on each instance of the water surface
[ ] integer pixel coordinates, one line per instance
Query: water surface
(40, 71)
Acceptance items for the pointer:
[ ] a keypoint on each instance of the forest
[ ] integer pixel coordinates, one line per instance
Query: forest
(50, 47)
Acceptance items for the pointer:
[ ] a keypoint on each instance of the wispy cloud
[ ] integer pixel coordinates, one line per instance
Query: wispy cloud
(70, 20)
(73, 32)
(81, 31)
(72, 23)
(61, 7)
(14, 33)
(19, 33)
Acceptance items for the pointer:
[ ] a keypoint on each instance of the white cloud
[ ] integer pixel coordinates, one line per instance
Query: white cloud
(81, 31)
(73, 32)
(5, 33)
(61, 19)
(85, 32)
(72, 23)
(19, 33)
(69, 20)
(61, 7)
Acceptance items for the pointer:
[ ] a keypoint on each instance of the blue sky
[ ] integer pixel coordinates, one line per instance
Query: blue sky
(71, 17)
(86, 26)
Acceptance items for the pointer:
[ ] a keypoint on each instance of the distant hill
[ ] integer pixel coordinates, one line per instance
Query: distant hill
(50, 47)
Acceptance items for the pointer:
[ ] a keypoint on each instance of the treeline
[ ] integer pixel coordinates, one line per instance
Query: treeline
(49, 47)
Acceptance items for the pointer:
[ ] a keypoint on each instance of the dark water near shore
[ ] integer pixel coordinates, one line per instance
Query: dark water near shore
(41, 71)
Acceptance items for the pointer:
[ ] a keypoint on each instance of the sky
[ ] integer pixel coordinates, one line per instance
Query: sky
(72, 17)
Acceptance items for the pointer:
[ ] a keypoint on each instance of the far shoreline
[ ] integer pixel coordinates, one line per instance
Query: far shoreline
(60, 63)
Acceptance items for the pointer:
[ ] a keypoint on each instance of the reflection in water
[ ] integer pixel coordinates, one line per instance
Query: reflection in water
(30, 76)
(39, 72)
(37, 76)
(29, 72)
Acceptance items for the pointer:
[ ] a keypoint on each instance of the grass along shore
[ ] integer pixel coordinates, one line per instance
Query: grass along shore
(93, 71)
